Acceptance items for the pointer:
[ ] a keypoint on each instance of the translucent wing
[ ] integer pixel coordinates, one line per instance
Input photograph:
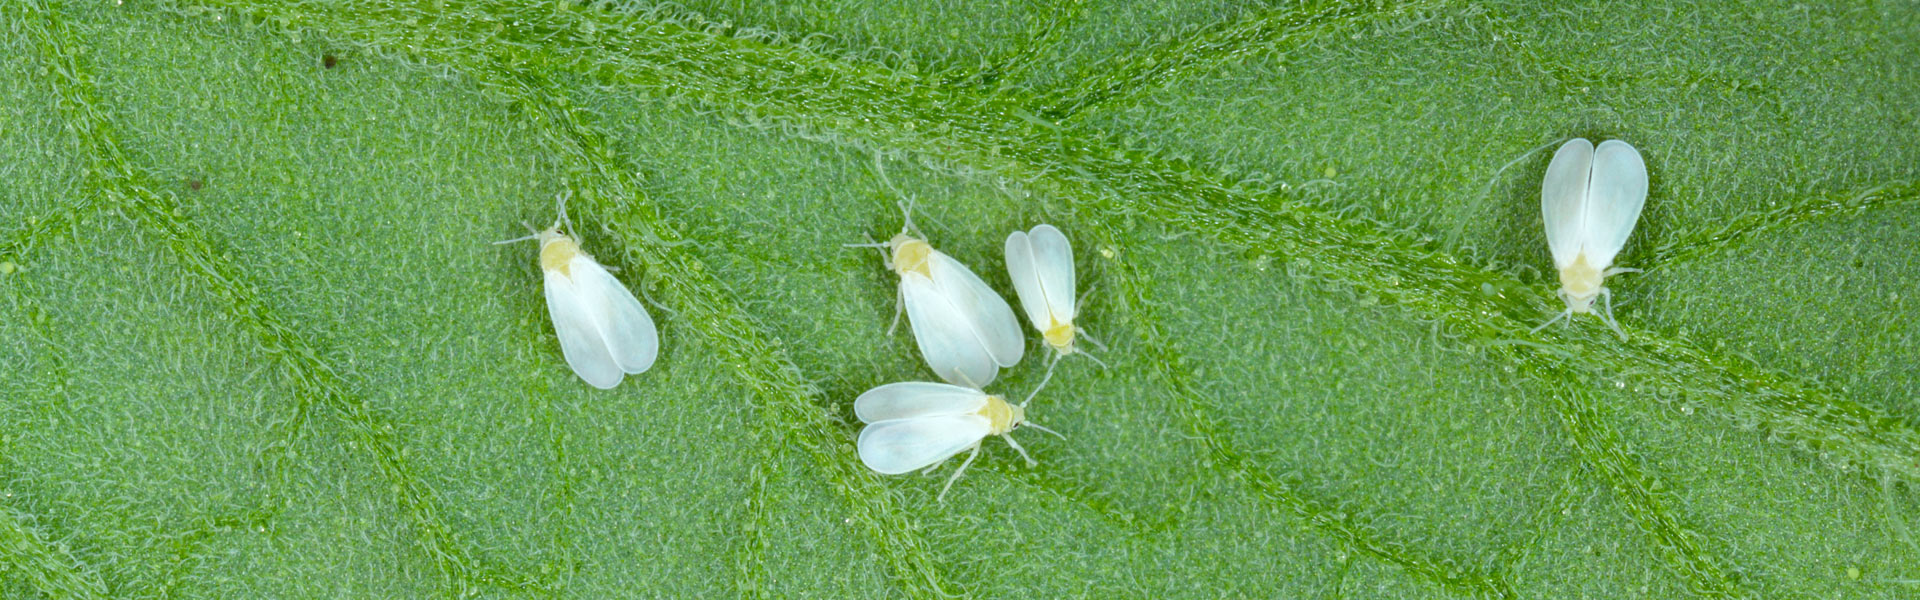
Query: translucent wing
(1041, 266)
(580, 341)
(916, 399)
(945, 334)
(987, 313)
(903, 445)
(625, 325)
(1026, 279)
(1563, 199)
(1616, 193)
(1053, 256)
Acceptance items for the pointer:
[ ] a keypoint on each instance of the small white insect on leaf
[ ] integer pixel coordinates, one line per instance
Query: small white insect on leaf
(919, 425)
(605, 333)
(965, 330)
(1590, 200)
(1040, 262)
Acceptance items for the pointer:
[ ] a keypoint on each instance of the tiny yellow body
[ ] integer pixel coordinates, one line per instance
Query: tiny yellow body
(909, 255)
(1580, 283)
(1001, 416)
(1060, 336)
(557, 251)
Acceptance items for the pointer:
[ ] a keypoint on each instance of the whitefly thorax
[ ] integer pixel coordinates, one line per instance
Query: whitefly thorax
(1580, 283)
(1058, 335)
(557, 251)
(1001, 416)
(910, 255)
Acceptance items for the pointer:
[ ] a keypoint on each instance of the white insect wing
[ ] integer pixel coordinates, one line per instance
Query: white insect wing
(1615, 195)
(904, 445)
(1026, 277)
(912, 399)
(1053, 260)
(1025, 273)
(987, 314)
(1563, 199)
(625, 326)
(580, 336)
(945, 334)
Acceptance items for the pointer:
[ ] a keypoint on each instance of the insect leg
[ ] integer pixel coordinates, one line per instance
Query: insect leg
(956, 473)
(1023, 451)
(1606, 299)
(1043, 380)
(1563, 314)
(899, 307)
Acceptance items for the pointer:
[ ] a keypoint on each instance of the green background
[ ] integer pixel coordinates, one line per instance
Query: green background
(256, 343)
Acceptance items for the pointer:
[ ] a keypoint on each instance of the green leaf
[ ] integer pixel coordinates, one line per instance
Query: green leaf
(258, 344)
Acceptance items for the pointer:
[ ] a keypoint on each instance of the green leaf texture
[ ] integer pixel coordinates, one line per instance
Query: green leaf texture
(257, 343)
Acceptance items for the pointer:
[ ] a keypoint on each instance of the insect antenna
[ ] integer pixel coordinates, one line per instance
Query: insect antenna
(518, 239)
(905, 202)
(882, 247)
(906, 216)
(529, 226)
(561, 199)
(1042, 428)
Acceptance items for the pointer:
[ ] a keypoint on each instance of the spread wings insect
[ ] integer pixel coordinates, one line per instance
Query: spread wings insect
(918, 425)
(965, 330)
(1590, 200)
(605, 333)
(1040, 262)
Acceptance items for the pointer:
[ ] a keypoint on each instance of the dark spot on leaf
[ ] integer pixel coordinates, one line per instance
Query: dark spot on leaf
(194, 183)
(329, 60)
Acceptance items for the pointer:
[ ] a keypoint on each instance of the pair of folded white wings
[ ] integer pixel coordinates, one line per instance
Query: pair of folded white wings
(604, 331)
(1590, 200)
(965, 330)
